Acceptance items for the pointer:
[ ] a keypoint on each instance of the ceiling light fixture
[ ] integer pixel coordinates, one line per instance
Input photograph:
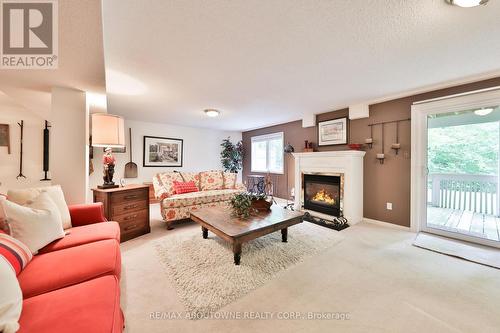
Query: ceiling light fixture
(467, 3)
(483, 112)
(212, 113)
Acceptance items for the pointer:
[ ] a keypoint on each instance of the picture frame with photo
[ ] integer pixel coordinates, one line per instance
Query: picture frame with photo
(5, 136)
(162, 152)
(333, 132)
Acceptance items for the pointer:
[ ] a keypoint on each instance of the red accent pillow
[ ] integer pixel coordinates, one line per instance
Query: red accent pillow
(184, 187)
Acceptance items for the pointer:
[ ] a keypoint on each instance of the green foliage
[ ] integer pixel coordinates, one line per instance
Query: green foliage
(242, 204)
(231, 155)
(464, 149)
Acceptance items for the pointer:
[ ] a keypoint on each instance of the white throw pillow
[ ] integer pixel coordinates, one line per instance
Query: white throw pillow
(35, 224)
(11, 298)
(55, 192)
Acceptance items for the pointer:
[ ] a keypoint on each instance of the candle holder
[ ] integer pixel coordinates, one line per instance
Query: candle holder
(381, 157)
(396, 147)
(369, 142)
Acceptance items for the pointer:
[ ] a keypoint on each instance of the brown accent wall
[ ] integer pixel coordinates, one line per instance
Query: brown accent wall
(389, 182)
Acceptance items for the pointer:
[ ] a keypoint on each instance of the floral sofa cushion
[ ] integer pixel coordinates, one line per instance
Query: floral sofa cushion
(198, 198)
(211, 180)
(229, 179)
(163, 184)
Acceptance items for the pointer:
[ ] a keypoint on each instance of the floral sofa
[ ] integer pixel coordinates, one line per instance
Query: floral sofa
(215, 188)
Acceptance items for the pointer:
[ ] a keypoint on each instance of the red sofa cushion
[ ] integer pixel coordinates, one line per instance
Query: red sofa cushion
(92, 306)
(184, 187)
(85, 234)
(59, 269)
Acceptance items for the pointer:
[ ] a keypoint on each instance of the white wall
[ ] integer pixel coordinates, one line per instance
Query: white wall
(32, 150)
(201, 150)
(69, 143)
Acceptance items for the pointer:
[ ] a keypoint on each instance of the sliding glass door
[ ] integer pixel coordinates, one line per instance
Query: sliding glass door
(462, 163)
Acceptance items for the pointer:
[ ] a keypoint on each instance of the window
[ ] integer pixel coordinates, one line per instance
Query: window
(267, 153)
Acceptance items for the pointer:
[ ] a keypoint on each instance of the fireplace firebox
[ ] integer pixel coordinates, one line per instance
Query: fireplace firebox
(322, 193)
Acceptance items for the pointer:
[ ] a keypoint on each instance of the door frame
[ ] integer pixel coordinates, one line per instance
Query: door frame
(419, 112)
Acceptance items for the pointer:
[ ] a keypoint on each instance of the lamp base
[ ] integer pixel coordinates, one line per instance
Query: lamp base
(107, 186)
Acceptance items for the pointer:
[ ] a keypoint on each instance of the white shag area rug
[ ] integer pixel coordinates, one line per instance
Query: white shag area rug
(206, 278)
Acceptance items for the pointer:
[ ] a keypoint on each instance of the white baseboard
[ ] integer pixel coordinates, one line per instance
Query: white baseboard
(386, 224)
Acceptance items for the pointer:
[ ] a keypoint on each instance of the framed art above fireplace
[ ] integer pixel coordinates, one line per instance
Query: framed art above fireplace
(333, 132)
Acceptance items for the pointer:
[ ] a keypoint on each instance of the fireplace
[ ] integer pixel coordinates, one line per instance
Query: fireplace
(323, 193)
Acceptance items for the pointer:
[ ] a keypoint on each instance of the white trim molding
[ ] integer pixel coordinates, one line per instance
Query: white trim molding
(419, 114)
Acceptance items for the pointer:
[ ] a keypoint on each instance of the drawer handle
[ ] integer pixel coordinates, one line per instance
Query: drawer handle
(128, 197)
(130, 217)
(130, 227)
(130, 206)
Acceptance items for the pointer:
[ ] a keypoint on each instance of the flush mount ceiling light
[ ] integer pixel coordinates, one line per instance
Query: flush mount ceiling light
(212, 113)
(483, 112)
(467, 3)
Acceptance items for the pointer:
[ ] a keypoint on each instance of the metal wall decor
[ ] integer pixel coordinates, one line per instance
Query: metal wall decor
(396, 146)
(21, 125)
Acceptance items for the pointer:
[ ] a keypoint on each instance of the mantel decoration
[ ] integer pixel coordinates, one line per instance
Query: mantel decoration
(246, 204)
(108, 131)
(332, 132)
(162, 152)
(231, 155)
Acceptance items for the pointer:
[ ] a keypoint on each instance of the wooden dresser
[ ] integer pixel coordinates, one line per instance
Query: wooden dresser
(129, 206)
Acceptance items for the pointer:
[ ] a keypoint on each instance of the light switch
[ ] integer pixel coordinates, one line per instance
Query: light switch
(389, 206)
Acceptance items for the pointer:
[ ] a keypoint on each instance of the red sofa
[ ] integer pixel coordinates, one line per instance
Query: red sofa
(73, 284)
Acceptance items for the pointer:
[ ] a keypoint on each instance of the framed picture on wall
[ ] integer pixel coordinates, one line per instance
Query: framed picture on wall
(5, 136)
(162, 152)
(332, 132)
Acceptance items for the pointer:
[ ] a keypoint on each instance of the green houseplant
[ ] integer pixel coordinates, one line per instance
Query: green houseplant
(246, 204)
(231, 155)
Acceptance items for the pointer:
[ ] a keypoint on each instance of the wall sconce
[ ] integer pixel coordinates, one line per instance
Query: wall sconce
(396, 146)
(381, 156)
(369, 141)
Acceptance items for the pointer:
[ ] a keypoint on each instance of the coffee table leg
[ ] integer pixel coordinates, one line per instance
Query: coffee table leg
(284, 235)
(237, 253)
(204, 232)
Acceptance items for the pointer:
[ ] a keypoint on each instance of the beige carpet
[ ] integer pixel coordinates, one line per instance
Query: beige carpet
(375, 274)
(472, 252)
(206, 278)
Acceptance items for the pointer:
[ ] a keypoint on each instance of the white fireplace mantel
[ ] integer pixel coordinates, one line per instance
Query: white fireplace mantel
(349, 163)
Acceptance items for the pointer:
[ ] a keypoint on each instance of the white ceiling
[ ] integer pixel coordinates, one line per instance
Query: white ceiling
(81, 61)
(266, 62)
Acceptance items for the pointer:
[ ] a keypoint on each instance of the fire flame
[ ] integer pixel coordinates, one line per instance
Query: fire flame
(322, 195)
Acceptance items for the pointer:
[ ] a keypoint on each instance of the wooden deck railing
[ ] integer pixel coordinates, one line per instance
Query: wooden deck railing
(476, 193)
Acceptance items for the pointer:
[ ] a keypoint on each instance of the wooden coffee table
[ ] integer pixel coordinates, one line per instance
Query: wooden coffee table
(220, 221)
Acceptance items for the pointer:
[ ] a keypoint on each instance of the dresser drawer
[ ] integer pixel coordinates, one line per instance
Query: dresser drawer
(128, 207)
(140, 217)
(129, 196)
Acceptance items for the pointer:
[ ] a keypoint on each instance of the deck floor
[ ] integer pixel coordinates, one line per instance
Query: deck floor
(465, 222)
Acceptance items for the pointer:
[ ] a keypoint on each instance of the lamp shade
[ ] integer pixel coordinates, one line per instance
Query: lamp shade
(108, 130)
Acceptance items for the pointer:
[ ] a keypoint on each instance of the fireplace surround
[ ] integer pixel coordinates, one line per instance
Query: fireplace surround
(347, 166)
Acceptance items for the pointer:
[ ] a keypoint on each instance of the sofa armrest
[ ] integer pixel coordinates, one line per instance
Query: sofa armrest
(240, 186)
(87, 214)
